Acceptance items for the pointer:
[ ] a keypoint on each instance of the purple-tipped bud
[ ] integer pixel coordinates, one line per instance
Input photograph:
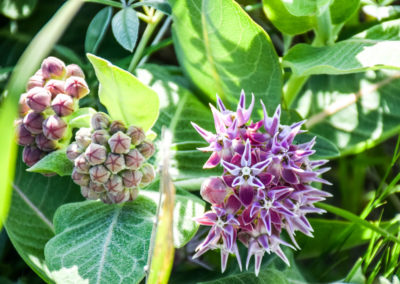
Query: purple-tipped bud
(100, 137)
(76, 87)
(24, 137)
(83, 137)
(137, 134)
(99, 174)
(114, 184)
(115, 162)
(54, 127)
(23, 107)
(105, 198)
(131, 179)
(100, 120)
(33, 122)
(214, 190)
(73, 151)
(88, 193)
(55, 87)
(53, 68)
(31, 155)
(45, 144)
(133, 159)
(38, 99)
(79, 178)
(146, 148)
(97, 187)
(96, 154)
(116, 126)
(120, 197)
(63, 105)
(134, 194)
(36, 80)
(148, 174)
(74, 70)
(81, 164)
(120, 143)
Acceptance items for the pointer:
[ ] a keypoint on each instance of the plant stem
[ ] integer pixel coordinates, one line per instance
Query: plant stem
(151, 25)
(292, 88)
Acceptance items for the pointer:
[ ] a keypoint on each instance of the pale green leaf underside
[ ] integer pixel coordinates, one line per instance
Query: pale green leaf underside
(124, 96)
(224, 51)
(125, 27)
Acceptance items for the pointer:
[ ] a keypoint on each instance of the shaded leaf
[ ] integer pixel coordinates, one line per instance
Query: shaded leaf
(55, 162)
(161, 5)
(124, 96)
(125, 27)
(324, 148)
(97, 29)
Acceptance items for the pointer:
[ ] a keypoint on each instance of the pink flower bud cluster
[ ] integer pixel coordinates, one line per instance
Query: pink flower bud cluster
(265, 188)
(110, 160)
(51, 94)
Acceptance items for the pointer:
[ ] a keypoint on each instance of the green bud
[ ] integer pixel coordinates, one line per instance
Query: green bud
(148, 174)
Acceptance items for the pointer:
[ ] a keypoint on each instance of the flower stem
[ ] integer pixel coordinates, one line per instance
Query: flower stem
(151, 25)
(292, 88)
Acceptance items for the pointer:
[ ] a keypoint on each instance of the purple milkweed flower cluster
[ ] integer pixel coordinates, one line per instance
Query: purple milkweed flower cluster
(265, 187)
(110, 160)
(52, 94)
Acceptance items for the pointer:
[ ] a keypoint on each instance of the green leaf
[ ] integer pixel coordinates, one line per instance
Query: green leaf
(355, 111)
(17, 9)
(324, 148)
(125, 27)
(365, 51)
(113, 238)
(342, 10)
(97, 29)
(124, 96)
(161, 5)
(81, 118)
(34, 201)
(55, 162)
(224, 51)
(300, 8)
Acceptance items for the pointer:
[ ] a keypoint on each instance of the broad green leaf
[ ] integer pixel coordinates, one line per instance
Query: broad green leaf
(97, 29)
(29, 224)
(55, 162)
(17, 9)
(124, 96)
(300, 8)
(224, 51)
(324, 148)
(27, 65)
(342, 10)
(369, 50)
(355, 111)
(125, 27)
(109, 243)
(161, 5)
(81, 118)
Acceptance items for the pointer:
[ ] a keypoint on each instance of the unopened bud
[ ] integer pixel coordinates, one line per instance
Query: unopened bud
(24, 137)
(74, 70)
(79, 178)
(33, 121)
(23, 107)
(54, 127)
(100, 137)
(105, 198)
(213, 190)
(97, 187)
(133, 159)
(73, 151)
(99, 174)
(96, 154)
(45, 144)
(100, 120)
(131, 179)
(148, 174)
(83, 137)
(38, 99)
(88, 193)
(36, 80)
(55, 87)
(137, 134)
(63, 105)
(76, 87)
(120, 143)
(116, 126)
(31, 155)
(134, 194)
(81, 164)
(114, 184)
(115, 162)
(120, 197)
(146, 148)
(53, 68)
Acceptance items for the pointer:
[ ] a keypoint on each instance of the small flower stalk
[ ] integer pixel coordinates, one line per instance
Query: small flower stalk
(52, 94)
(110, 163)
(265, 187)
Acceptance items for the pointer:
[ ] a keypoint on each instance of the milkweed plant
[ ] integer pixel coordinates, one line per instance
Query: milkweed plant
(207, 141)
